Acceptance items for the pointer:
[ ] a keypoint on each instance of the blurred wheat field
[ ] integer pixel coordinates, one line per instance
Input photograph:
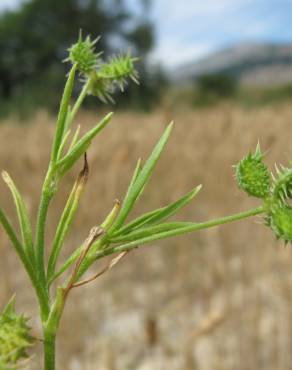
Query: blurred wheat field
(217, 299)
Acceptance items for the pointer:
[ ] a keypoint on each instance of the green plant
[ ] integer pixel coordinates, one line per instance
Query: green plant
(115, 235)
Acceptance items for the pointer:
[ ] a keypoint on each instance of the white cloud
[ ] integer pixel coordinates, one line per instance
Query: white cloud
(189, 29)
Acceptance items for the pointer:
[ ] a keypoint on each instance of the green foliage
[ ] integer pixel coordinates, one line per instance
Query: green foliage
(211, 88)
(15, 337)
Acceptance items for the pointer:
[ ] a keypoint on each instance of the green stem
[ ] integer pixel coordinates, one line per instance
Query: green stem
(183, 230)
(49, 350)
(40, 231)
(50, 328)
(63, 112)
(79, 101)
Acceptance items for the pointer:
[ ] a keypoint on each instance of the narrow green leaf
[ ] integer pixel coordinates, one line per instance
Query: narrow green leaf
(110, 218)
(63, 143)
(27, 263)
(75, 138)
(23, 217)
(81, 146)
(178, 231)
(67, 219)
(133, 179)
(173, 208)
(141, 180)
(149, 231)
(11, 233)
(137, 222)
(160, 214)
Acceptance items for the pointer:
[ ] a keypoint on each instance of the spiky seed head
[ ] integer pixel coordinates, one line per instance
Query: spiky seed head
(112, 75)
(282, 185)
(279, 211)
(119, 68)
(280, 221)
(100, 87)
(15, 338)
(253, 176)
(83, 55)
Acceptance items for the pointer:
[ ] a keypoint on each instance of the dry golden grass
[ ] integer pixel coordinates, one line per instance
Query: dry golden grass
(218, 299)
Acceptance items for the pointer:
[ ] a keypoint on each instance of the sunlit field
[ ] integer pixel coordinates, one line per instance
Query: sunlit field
(216, 300)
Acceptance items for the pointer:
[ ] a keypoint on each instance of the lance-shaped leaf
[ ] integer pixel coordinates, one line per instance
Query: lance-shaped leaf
(23, 217)
(63, 143)
(16, 243)
(133, 179)
(75, 138)
(67, 218)
(141, 180)
(160, 214)
(81, 146)
(149, 231)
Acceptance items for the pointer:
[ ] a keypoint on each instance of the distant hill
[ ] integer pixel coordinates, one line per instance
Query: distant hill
(252, 63)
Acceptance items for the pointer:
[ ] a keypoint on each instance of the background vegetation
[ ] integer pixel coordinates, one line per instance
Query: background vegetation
(35, 36)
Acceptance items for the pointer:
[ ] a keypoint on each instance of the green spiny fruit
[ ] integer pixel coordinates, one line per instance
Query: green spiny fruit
(118, 69)
(253, 176)
(105, 80)
(282, 185)
(280, 221)
(83, 55)
(15, 338)
(279, 215)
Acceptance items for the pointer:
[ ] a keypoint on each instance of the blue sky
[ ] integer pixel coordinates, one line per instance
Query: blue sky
(189, 29)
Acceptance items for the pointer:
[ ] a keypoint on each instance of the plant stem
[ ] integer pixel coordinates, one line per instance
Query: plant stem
(61, 120)
(49, 350)
(50, 328)
(79, 101)
(40, 229)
